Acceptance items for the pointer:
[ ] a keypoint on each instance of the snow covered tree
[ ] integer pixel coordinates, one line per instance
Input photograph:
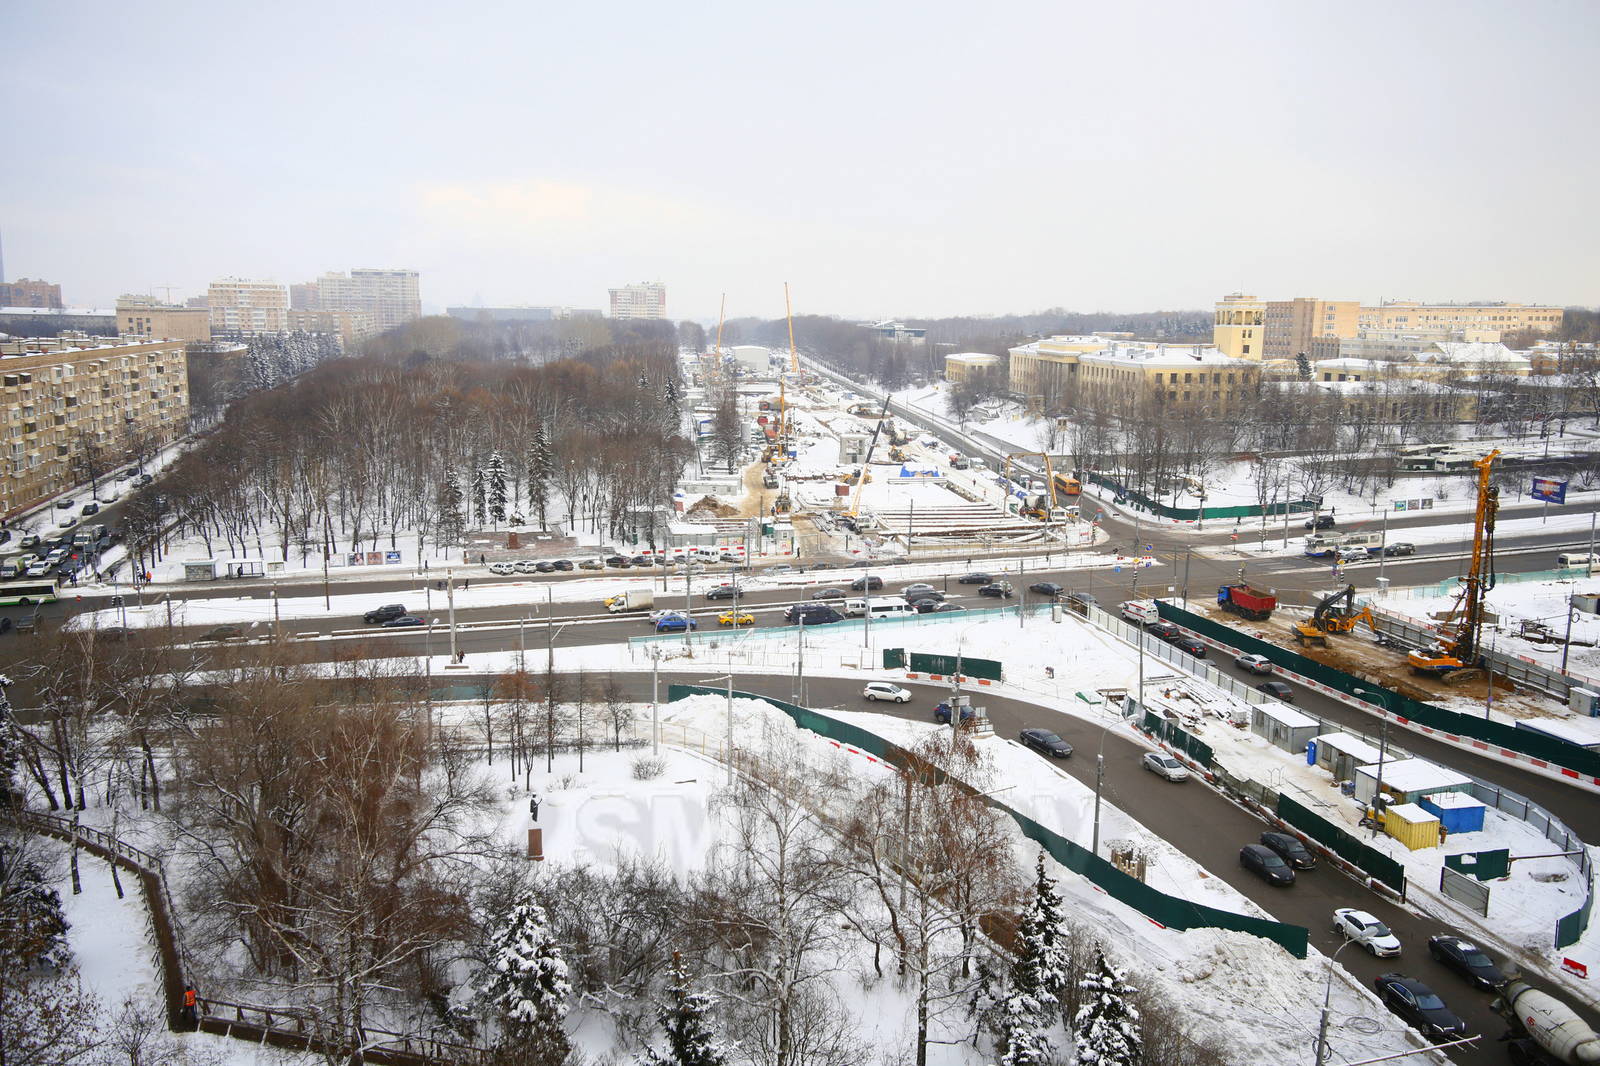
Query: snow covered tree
(1302, 366)
(1030, 1005)
(1043, 924)
(541, 463)
(526, 986)
(496, 475)
(452, 521)
(33, 925)
(1107, 1026)
(10, 790)
(690, 1039)
(480, 496)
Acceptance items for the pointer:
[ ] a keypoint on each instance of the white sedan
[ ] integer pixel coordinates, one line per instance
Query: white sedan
(502, 568)
(1365, 930)
(883, 690)
(1159, 762)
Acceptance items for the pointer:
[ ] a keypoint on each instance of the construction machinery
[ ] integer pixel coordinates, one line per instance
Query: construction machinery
(1035, 505)
(1246, 602)
(855, 502)
(1544, 1030)
(896, 455)
(1457, 655)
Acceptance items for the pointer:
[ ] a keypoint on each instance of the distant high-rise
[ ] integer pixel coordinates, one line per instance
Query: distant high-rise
(393, 296)
(25, 293)
(142, 316)
(241, 306)
(304, 297)
(645, 300)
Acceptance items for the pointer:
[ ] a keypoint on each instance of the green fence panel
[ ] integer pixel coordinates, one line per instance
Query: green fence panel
(1523, 741)
(1485, 865)
(1342, 843)
(923, 662)
(1178, 737)
(894, 658)
(1169, 911)
(1569, 930)
(1190, 514)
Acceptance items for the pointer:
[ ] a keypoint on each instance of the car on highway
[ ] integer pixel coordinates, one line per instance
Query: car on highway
(976, 578)
(1159, 762)
(562, 564)
(886, 690)
(1047, 588)
(1266, 864)
(941, 713)
(723, 592)
(924, 596)
(827, 594)
(866, 581)
(218, 633)
(935, 607)
(502, 568)
(675, 623)
(858, 564)
(920, 587)
(1468, 960)
(1419, 1005)
(1353, 554)
(644, 560)
(384, 613)
(592, 564)
(9, 569)
(1321, 521)
(405, 621)
(1045, 743)
(1256, 664)
(1277, 690)
(1193, 645)
(37, 568)
(736, 618)
(29, 540)
(813, 614)
(1365, 930)
(1399, 548)
(1001, 589)
(1164, 630)
(1290, 849)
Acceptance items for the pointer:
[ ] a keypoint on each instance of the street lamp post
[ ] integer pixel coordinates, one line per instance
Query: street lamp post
(1383, 749)
(1327, 999)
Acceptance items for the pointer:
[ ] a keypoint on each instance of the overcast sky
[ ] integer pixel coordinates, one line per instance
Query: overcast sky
(884, 160)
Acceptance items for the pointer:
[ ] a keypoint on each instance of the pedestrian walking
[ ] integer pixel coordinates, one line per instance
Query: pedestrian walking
(533, 806)
(482, 559)
(466, 584)
(189, 1004)
(424, 566)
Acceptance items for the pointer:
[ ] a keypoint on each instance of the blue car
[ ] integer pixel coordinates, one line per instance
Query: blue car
(675, 623)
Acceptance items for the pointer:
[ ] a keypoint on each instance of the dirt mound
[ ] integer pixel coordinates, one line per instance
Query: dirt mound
(708, 507)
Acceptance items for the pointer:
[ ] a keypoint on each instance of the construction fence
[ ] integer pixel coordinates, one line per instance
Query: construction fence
(1343, 844)
(1169, 911)
(1193, 514)
(1175, 735)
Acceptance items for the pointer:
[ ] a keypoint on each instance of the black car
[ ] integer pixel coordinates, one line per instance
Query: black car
(1047, 588)
(544, 566)
(403, 622)
(827, 594)
(978, 578)
(916, 589)
(859, 564)
(1262, 860)
(1400, 548)
(941, 713)
(562, 564)
(812, 614)
(1277, 689)
(1321, 521)
(1193, 645)
(220, 633)
(388, 612)
(643, 560)
(866, 581)
(1001, 589)
(1046, 743)
(722, 592)
(935, 607)
(1290, 850)
(617, 562)
(1468, 960)
(1164, 630)
(1419, 1005)
(924, 596)
(824, 566)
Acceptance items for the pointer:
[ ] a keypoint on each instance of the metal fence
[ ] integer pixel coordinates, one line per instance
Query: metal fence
(1464, 890)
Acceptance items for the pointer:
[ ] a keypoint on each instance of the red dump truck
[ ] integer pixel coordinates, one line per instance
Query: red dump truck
(1246, 602)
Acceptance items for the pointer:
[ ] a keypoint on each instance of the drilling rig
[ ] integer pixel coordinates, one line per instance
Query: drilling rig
(1456, 656)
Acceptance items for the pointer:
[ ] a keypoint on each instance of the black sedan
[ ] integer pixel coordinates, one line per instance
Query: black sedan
(562, 564)
(1290, 849)
(722, 592)
(1047, 588)
(979, 578)
(1468, 960)
(1277, 689)
(617, 562)
(867, 581)
(1193, 645)
(1419, 1005)
(1164, 630)
(1399, 548)
(544, 566)
(403, 622)
(1046, 743)
(935, 607)
(827, 594)
(1001, 589)
(1266, 863)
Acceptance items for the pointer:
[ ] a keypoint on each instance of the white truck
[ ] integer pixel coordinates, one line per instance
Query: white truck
(632, 600)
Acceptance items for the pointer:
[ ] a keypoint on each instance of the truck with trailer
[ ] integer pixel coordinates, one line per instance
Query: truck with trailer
(632, 600)
(1246, 602)
(1544, 1030)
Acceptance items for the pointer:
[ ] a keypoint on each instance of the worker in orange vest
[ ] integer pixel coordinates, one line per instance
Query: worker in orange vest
(189, 1014)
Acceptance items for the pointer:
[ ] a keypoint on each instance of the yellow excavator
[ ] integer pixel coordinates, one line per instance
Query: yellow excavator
(1457, 655)
(1035, 505)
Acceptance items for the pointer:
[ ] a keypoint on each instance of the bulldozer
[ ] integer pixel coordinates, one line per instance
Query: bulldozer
(896, 455)
(1457, 655)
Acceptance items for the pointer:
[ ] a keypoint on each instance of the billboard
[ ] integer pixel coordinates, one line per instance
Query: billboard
(1549, 490)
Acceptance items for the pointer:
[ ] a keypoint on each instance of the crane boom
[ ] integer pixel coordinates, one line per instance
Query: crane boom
(855, 504)
(1454, 657)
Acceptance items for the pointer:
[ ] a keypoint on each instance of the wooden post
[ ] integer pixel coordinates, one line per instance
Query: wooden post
(536, 845)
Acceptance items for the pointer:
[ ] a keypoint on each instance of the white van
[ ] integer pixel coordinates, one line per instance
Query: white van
(707, 555)
(889, 607)
(1141, 611)
(1566, 559)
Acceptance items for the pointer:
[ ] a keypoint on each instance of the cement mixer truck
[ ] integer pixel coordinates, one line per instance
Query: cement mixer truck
(1544, 1030)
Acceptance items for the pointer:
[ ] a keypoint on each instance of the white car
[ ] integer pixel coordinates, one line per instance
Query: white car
(108, 493)
(883, 690)
(524, 566)
(657, 616)
(38, 568)
(1353, 555)
(1365, 930)
(1256, 664)
(502, 568)
(1159, 762)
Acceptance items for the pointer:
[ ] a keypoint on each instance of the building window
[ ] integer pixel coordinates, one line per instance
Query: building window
(1247, 349)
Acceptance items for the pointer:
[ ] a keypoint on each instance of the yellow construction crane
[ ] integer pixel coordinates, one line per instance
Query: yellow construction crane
(1455, 656)
(1028, 509)
(866, 465)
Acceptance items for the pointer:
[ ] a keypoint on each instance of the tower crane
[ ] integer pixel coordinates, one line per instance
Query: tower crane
(1456, 655)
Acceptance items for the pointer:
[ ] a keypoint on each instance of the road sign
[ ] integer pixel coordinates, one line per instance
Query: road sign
(1549, 490)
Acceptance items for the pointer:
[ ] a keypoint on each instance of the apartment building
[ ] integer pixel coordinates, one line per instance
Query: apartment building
(394, 297)
(1507, 318)
(140, 316)
(304, 297)
(1307, 324)
(26, 293)
(1237, 329)
(1097, 371)
(238, 305)
(644, 300)
(351, 326)
(63, 396)
(959, 366)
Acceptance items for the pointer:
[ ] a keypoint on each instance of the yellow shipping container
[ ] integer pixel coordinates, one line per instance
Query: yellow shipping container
(1412, 826)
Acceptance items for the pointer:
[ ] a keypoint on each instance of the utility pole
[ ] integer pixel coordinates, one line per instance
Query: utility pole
(1383, 549)
(730, 729)
(450, 589)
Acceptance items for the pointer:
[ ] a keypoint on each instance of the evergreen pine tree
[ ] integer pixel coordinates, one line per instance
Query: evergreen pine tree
(10, 793)
(1303, 366)
(526, 985)
(33, 925)
(1048, 915)
(452, 522)
(541, 464)
(690, 1039)
(1029, 1006)
(480, 496)
(497, 488)
(1107, 1027)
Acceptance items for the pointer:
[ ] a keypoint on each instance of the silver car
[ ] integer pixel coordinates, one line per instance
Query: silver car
(1256, 664)
(1160, 762)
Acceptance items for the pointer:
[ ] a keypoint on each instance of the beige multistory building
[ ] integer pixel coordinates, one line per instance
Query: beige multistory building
(394, 297)
(1507, 318)
(1307, 324)
(238, 305)
(304, 297)
(140, 316)
(351, 326)
(26, 293)
(958, 367)
(1237, 330)
(1099, 372)
(644, 300)
(69, 396)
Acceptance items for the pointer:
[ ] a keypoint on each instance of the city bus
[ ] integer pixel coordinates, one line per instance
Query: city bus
(39, 590)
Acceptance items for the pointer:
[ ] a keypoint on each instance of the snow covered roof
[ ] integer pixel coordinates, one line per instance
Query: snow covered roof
(1288, 716)
(1352, 746)
(974, 358)
(1454, 800)
(1465, 352)
(1164, 355)
(1410, 812)
(1415, 775)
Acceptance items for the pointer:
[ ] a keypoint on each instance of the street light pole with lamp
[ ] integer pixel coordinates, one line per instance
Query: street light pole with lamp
(1383, 750)
(1327, 999)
